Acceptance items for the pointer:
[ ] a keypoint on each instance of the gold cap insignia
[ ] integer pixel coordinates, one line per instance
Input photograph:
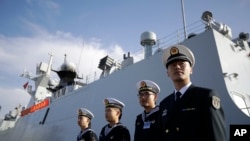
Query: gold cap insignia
(106, 101)
(174, 51)
(79, 112)
(143, 84)
(216, 102)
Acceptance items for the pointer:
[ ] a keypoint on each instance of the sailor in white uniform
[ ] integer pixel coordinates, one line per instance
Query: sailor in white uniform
(84, 122)
(114, 130)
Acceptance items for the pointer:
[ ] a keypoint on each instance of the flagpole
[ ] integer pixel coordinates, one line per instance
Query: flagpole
(183, 17)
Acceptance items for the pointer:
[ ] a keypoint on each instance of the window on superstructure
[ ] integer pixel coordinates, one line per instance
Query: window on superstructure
(240, 101)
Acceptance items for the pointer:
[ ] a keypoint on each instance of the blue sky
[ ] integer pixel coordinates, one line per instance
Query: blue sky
(87, 30)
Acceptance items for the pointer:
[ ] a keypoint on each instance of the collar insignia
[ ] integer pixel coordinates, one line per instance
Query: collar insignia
(216, 102)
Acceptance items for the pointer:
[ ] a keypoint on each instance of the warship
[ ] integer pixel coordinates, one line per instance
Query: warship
(222, 63)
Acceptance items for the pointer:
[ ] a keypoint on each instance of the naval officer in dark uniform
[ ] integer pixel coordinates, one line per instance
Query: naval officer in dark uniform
(114, 130)
(146, 124)
(84, 122)
(190, 113)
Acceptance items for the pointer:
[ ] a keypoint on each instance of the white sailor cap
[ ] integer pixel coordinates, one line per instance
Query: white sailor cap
(112, 102)
(177, 52)
(147, 85)
(85, 112)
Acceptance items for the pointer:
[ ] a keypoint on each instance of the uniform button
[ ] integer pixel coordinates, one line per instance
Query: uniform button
(166, 130)
(177, 129)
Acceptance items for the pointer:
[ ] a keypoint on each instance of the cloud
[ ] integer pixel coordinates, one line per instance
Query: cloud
(18, 53)
(11, 98)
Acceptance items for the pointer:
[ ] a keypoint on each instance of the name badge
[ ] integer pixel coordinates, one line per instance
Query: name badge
(146, 125)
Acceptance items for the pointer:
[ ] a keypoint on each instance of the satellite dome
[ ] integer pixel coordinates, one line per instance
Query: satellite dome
(148, 38)
(68, 66)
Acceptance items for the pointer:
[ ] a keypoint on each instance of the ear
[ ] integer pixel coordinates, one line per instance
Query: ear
(191, 70)
(118, 111)
(156, 97)
(88, 120)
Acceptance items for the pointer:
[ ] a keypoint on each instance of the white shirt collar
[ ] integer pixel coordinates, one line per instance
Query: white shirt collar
(184, 89)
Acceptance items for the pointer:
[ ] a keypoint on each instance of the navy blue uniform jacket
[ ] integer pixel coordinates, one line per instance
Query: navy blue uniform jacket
(198, 116)
(118, 133)
(87, 135)
(147, 128)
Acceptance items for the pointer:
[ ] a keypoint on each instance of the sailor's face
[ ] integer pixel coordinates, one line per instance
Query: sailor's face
(147, 98)
(111, 113)
(179, 71)
(83, 121)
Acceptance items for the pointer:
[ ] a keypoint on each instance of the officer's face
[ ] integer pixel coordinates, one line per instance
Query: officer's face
(179, 71)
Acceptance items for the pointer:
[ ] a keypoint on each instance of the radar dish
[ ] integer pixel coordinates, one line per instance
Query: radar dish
(207, 16)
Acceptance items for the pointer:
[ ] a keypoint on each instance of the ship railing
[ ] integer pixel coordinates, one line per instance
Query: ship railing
(178, 36)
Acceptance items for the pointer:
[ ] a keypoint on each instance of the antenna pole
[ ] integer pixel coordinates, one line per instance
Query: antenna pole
(80, 56)
(183, 17)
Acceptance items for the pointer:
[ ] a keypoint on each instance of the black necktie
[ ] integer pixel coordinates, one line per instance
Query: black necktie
(177, 96)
